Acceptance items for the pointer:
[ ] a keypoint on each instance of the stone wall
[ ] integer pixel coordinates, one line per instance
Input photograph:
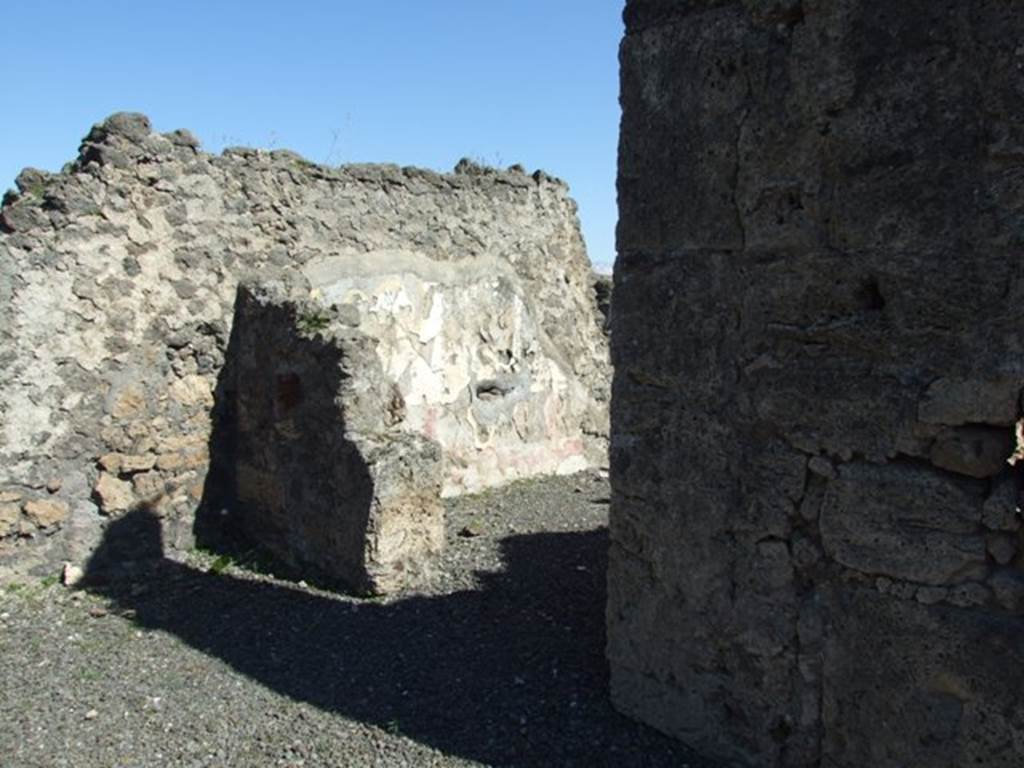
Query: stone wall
(118, 281)
(326, 475)
(816, 541)
(474, 369)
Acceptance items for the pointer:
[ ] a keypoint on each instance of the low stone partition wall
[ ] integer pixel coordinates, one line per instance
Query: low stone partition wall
(118, 282)
(817, 554)
(325, 477)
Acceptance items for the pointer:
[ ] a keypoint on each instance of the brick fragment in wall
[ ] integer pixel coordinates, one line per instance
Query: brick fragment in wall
(10, 514)
(46, 513)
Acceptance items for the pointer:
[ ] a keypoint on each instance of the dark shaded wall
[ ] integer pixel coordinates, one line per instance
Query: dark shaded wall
(326, 477)
(817, 339)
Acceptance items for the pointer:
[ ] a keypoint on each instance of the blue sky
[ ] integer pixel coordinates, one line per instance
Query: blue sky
(415, 82)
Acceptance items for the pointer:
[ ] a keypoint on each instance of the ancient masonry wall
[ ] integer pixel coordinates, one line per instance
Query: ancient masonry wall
(118, 281)
(327, 476)
(816, 541)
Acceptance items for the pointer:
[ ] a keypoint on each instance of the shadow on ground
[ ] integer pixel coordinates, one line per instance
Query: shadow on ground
(510, 674)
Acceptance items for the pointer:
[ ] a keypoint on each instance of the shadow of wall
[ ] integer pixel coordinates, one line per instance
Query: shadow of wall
(212, 524)
(511, 673)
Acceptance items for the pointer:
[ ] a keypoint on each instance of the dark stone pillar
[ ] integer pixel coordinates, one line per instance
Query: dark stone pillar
(819, 350)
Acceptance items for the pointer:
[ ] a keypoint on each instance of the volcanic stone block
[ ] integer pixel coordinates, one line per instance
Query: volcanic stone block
(909, 684)
(324, 478)
(907, 523)
(815, 533)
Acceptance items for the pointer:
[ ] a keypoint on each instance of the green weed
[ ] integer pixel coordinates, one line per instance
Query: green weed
(313, 322)
(221, 564)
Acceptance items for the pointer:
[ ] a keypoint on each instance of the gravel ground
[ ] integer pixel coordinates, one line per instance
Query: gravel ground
(211, 663)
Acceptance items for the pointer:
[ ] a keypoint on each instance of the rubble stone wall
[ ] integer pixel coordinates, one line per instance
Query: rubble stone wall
(816, 549)
(326, 476)
(118, 281)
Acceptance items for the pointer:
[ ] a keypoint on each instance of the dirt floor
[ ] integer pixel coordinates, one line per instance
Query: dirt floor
(217, 662)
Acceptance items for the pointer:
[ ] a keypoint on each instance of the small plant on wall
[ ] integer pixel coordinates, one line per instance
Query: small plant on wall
(313, 321)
